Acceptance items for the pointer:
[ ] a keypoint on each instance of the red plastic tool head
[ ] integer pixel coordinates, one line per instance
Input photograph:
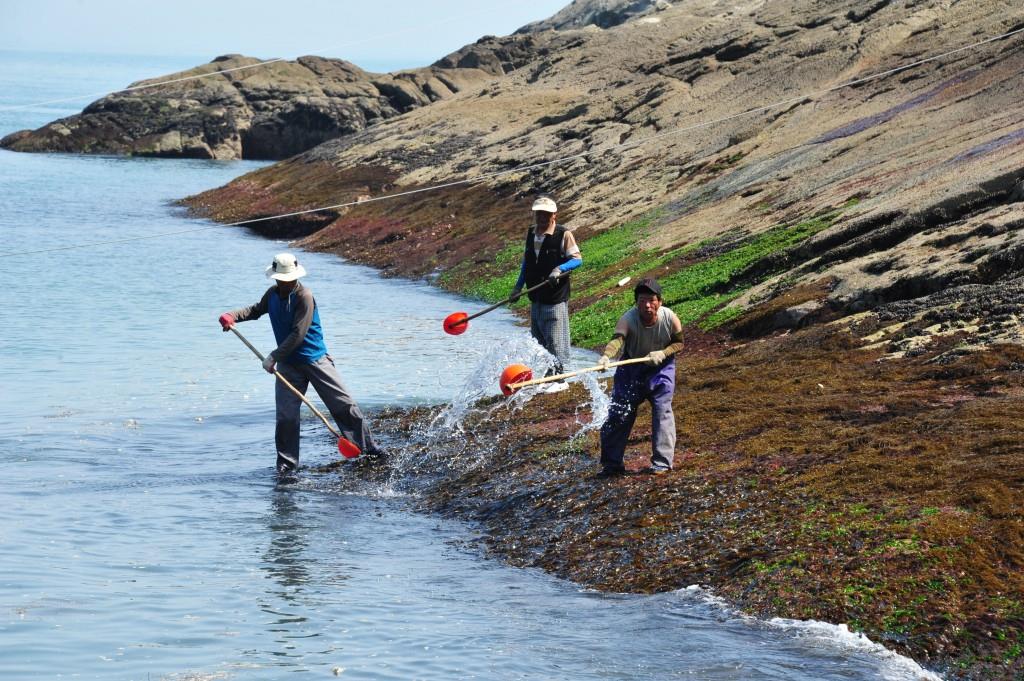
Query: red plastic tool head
(348, 449)
(514, 373)
(456, 323)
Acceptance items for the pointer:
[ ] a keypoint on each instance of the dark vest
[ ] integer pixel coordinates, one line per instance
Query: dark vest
(538, 268)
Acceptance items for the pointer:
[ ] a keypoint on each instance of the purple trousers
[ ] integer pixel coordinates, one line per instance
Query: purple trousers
(634, 384)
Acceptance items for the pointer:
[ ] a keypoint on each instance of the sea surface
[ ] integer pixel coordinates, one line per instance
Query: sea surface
(144, 534)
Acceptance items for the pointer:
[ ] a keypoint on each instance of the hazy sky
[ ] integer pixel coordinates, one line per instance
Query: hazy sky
(390, 33)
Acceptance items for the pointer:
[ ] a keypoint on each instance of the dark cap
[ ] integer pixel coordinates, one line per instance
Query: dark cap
(647, 286)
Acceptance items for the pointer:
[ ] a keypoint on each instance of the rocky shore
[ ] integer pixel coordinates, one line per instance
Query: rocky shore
(839, 231)
(815, 479)
(849, 268)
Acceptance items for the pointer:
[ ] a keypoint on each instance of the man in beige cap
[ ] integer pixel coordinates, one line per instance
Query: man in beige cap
(550, 254)
(301, 357)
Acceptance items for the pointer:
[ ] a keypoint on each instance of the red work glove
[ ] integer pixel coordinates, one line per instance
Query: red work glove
(226, 321)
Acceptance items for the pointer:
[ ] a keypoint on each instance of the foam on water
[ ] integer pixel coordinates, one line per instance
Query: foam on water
(821, 635)
(897, 667)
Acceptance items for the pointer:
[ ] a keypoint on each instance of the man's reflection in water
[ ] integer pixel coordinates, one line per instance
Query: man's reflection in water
(284, 560)
(303, 582)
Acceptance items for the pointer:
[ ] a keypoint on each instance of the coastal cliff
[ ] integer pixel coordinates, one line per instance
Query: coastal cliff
(840, 234)
(255, 110)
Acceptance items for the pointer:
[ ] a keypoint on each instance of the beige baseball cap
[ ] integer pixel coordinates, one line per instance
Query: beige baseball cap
(546, 204)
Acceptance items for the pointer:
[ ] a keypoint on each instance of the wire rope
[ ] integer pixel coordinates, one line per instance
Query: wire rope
(540, 164)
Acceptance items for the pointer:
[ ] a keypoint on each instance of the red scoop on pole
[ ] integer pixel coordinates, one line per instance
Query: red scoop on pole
(457, 322)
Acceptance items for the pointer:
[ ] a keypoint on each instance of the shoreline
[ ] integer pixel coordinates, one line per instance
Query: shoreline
(848, 467)
(777, 519)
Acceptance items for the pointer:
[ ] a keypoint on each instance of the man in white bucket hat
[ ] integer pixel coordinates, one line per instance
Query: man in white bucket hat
(301, 357)
(550, 254)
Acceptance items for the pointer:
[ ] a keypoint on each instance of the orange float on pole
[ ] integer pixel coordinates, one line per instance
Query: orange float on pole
(514, 373)
(457, 322)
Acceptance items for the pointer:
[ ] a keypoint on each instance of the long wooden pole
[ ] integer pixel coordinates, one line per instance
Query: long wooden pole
(500, 303)
(559, 377)
(287, 384)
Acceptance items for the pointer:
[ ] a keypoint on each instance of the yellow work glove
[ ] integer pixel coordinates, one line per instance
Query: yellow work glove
(655, 357)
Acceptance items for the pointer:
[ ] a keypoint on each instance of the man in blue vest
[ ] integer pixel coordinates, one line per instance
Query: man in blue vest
(550, 254)
(301, 357)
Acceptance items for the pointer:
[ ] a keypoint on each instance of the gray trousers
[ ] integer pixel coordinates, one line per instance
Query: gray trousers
(327, 383)
(549, 324)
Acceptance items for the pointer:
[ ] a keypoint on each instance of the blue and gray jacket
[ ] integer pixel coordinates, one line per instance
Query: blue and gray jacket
(296, 323)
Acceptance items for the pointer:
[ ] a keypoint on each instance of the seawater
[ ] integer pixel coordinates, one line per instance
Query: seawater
(144, 536)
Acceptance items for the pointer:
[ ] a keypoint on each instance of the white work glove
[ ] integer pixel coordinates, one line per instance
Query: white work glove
(604, 362)
(555, 274)
(655, 357)
(268, 364)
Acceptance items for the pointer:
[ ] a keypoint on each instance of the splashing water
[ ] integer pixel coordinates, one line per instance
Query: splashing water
(598, 404)
(449, 439)
(483, 382)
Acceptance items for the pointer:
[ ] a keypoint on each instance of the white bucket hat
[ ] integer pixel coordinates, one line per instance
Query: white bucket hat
(285, 268)
(546, 204)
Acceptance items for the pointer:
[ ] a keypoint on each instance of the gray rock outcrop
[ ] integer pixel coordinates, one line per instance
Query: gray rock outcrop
(600, 13)
(269, 111)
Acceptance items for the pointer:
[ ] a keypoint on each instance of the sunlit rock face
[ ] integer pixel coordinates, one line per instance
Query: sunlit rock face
(268, 111)
(713, 123)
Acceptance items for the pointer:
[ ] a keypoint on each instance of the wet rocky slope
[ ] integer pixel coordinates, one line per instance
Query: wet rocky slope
(848, 261)
(814, 479)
